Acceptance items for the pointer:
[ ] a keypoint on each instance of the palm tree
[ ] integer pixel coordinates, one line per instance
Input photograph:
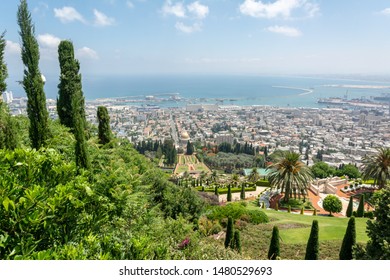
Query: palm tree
(289, 174)
(254, 176)
(378, 167)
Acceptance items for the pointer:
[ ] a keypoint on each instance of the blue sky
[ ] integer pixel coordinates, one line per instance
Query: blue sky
(127, 37)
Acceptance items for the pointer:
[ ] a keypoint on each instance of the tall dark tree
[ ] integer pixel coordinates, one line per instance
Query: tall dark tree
(350, 207)
(360, 210)
(105, 134)
(33, 81)
(229, 193)
(229, 232)
(236, 242)
(274, 247)
(3, 66)
(190, 148)
(312, 248)
(82, 156)
(349, 241)
(69, 86)
(242, 194)
(7, 130)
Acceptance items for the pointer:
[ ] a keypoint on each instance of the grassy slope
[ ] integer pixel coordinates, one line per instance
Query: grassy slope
(294, 232)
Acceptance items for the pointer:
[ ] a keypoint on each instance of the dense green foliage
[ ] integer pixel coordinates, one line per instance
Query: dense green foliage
(349, 170)
(349, 241)
(81, 153)
(322, 170)
(7, 128)
(237, 211)
(70, 87)
(312, 248)
(105, 134)
(378, 248)
(332, 204)
(123, 208)
(7, 125)
(290, 175)
(32, 80)
(274, 247)
(230, 162)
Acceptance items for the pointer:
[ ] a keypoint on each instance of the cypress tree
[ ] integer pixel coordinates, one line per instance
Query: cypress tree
(274, 247)
(69, 86)
(32, 80)
(229, 232)
(7, 130)
(82, 156)
(216, 192)
(350, 207)
(236, 243)
(242, 194)
(229, 193)
(312, 247)
(349, 241)
(360, 210)
(3, 67)
(104, 125)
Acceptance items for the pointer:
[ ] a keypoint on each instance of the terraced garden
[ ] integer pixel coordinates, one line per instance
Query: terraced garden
(190, 163)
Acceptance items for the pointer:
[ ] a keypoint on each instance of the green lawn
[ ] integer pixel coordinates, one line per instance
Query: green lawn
(294, 232)
(295, 228)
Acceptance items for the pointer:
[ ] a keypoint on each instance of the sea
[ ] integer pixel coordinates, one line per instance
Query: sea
(282, 91)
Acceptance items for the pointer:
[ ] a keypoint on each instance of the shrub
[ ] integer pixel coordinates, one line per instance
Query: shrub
(236, 242)
(274, 247)
(369, 214)
(258, 217)
(331, 204)
(350, 207)
(349, 241)
(360, 210)
(312, 247)
(229, 232)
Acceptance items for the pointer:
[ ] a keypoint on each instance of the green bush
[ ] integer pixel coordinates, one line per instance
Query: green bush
(257, 217)
(263, 183)
(238, 212)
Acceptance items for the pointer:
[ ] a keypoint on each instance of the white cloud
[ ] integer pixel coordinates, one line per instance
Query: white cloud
(198, 10)
(48, 41)
(68, 14)
(176, 9)
(385, 12)
(285, 30)
(86, 52)
(12, 48)
(278, 8)
(130, 4)
(188, 28)
(101, 19)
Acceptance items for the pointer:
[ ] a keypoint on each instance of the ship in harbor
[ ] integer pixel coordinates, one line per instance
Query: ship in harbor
(333, 101)
(384, 97)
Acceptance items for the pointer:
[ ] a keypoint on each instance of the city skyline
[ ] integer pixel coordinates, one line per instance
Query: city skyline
(119, 37)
